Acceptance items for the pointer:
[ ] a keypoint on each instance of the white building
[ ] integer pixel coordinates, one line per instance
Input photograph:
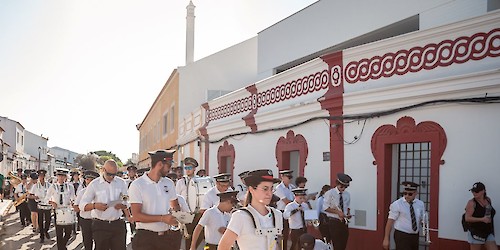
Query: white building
(388, 92)
(13, 135)
(61, 158)
(36, 147)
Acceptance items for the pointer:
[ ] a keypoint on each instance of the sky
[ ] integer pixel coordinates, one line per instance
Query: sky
(84, 73)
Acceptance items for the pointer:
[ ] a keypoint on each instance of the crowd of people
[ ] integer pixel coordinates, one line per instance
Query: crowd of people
(164, 205)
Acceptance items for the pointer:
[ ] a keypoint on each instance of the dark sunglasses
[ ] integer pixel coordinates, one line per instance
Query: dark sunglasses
(408, 193)
(110, 174)
(188, 168)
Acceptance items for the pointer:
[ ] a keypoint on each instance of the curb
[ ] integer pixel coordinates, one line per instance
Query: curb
(4, 211)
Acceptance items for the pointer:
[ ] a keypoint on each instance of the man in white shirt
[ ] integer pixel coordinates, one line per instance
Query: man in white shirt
(221, 185)
(284, 192)
(60, 195)
(294, 213)
(336, 205)
(104, 197)
(39, 193)
(215, 220)
(86, 216)
(20, 193)
(405, 214)
(152, 198)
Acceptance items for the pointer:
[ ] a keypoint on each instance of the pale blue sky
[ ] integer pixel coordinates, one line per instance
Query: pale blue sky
(85, 72)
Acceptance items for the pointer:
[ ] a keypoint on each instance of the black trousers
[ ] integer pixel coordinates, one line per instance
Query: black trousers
(295, 235)
(339, 233)
(63, 233)
(324, 227)
(148, 240)
(405, 241)
(88, 239)
(44, 217)
(109, 235)
(24, 213)
(286, 231)
(190, 228)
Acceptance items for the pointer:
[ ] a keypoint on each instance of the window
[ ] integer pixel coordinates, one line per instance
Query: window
(172, 118)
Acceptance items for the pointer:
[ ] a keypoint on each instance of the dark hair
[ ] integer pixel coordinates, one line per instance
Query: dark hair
(300, 179)
(248, 197)
(324, 189)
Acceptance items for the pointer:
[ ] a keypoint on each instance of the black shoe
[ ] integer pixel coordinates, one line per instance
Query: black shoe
(47, 235)
(42, 240)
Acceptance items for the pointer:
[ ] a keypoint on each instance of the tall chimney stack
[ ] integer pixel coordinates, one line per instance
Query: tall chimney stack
(190, 33)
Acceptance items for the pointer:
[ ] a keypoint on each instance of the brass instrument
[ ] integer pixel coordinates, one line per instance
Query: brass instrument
(21, 199)
(14, 180)
(426, 228)
(123, 197)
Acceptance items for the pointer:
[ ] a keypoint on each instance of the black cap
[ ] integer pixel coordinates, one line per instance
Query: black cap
(409, 185)
(131, 167)
(201, 170)
(74, 173)
(19, 170)
(224, 177)
(142, 171)
(478, 186)
(162, 155)
(344, 179)
(90, 174)
(42, 171)
(24, 176)
(255, 177)
(243, 174)
(62, 171)
(299, 191)
(228, 195)
(33, 175)
(172, 176)
(307, 241)
(190, 161)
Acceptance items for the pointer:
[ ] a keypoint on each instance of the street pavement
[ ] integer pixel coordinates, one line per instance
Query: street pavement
(13, 236)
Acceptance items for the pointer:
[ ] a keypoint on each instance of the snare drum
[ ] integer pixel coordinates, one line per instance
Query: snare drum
(43, 206)
(197, 189)
(65, 216)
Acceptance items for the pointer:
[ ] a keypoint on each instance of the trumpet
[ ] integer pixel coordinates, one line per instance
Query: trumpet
(426, 228)
(123, 197)
(14, 180)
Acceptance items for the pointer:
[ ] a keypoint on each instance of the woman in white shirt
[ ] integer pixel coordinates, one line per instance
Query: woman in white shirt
(256, 214)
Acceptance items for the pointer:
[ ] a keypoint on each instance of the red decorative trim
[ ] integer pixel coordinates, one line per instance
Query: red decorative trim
(333, 102)
(292, 142)
(406, 131)
(445, 53)
(289, 90)
(204, 133)
(226, 150)
(250, 119)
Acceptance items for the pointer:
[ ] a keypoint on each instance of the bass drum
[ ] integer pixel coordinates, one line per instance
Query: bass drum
(197, 189)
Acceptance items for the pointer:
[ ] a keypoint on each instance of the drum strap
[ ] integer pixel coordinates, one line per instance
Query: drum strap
(273, 235)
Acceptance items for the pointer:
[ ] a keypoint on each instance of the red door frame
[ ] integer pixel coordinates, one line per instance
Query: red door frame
(226, 150)
(292, 142)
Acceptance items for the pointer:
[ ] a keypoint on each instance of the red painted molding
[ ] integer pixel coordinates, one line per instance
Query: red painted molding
(204, 133)
(406, 131)
(250, 119)
(292, 142)
(226, 150)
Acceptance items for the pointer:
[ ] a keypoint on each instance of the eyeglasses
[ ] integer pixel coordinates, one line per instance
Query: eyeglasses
(408, 193)
(188, 168)
(110, 174)
(264, 189)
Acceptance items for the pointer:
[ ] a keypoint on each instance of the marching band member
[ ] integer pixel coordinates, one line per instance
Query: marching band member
(308, 242)
(221, 185)
(132, 175)
(323, 218)
(152, 197)
(85, 216)
(301, 182)
(256, 226)
(20, 193)
(60, 195)
(336, 205)
(294, 213)
(242, 188)
(284, 191)
(201, 173)
(405, 214)
(184, 207)
(32, 204)
(104, 197)
(215, 220)
(39, 193)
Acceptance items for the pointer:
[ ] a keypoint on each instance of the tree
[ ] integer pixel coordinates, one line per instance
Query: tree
(105, 155)
(86, 162)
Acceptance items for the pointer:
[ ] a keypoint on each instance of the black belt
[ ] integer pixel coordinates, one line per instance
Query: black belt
(107, 221)
(157, 233)
(411, 234)
(211, 245)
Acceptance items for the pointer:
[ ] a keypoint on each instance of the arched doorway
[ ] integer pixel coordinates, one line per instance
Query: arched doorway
(291, 153)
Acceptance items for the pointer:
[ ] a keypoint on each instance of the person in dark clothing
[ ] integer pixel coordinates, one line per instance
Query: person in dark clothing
(479, 214)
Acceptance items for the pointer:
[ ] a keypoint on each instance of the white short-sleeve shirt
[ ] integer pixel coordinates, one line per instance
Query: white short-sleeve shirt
(54, 194)
(332, 199)
(155, 198)
(79, 194)
(211, 199)
(242, 225)
(295, 220)
(101, 191)
(283, 192)
(212, 220)
(399, 211)
(181, 186)
(40, 190)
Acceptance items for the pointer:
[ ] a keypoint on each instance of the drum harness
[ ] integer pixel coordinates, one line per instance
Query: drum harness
(62, 192)
(274, 234)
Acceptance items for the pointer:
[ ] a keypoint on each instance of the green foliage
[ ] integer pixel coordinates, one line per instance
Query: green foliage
(105, 155)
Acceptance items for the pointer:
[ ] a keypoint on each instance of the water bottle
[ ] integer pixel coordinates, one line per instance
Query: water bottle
(488, 211)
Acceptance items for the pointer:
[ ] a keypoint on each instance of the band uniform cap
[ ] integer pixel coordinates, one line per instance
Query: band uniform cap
(255, 177)
(307, 241)
(287, 171)
(409, 185)
(201, 171)
(62, 171)
(19, 170)
(42, 171)
(299, 191)
(224, 177)
(172, 176)
(142, 170)
(344, 179)
(228, 195)
(478, 186)
(162, 155)
(243, 174)
(90, 174)
(131, 167)
(33, 175)
(191, 162)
